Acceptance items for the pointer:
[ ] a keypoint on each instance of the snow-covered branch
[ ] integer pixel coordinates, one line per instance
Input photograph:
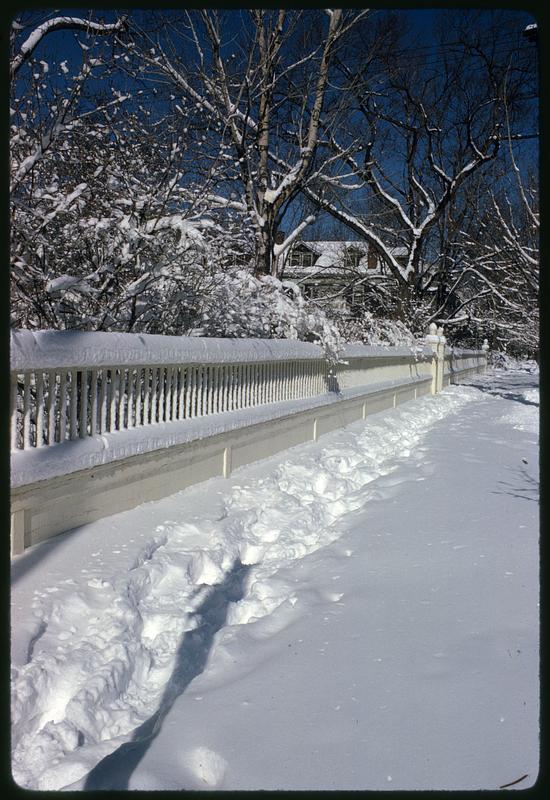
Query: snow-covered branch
(279, 249)
(61, 23)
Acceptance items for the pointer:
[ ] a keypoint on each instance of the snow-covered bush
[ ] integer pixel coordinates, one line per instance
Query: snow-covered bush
(499, 359)
(242, 305)
(369, 329)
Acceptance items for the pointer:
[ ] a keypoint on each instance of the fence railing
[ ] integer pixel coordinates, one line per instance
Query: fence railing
(62, 404)
(72, 385)
(64, 400)
(187, 410)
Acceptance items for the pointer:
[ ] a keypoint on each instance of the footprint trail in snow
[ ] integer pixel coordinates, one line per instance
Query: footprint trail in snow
(105, 646)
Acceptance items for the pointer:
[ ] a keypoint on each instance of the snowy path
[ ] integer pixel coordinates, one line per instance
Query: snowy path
(359, 613)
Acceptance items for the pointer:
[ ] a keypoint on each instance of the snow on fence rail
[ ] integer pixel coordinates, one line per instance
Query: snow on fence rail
(66, 386)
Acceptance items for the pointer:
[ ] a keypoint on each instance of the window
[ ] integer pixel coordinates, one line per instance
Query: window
(372, 261)
(352, 258)
(301, 258)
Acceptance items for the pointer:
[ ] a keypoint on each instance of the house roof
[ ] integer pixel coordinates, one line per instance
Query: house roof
(332, 248)
(330, 255)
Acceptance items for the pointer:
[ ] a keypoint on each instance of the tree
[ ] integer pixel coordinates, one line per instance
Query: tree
(493, 255)
(498, 278)
(265, 83)
(111, 239)
(111, 229)
(53, 109)
(147, 176)
(121, 222)
(424, 131)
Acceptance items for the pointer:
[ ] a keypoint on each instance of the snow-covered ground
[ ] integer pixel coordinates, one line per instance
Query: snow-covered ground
(356, 613)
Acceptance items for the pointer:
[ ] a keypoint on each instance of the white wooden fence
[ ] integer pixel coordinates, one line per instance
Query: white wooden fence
(64, 388)
(101, 422)
(52, 406)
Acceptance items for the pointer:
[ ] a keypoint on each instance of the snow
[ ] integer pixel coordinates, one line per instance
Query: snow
(58, 349)
(62, 283)
(357, 613)
(278, 249)
(65, 349)
(271, 195)
(358, 350)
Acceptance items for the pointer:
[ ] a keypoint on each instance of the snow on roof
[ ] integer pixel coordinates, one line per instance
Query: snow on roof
(333, 248)
(338, 246)
(325, 260)
(330, 256)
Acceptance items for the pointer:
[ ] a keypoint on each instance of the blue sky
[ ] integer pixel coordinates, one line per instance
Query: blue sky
(419, 44)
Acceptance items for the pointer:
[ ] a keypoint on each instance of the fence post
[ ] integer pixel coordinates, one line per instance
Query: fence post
(17, 532)
(485, 348)
(432, 340)
(441, 357)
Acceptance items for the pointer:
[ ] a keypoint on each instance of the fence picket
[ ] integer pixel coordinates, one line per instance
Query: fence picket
(52, 406)
(14, 432)
(121, 398)
(112, 398)
(39, 379)
(94, 401)
(27, 411)
(83, 403)
(139, 395)
(103, 402)
(181, 389)
(146, 395)
(73, 426)
(193, 392)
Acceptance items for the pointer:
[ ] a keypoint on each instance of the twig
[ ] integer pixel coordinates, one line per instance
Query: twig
(513, 783)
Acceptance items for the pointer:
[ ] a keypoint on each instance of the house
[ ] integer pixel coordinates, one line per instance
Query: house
(335, 272)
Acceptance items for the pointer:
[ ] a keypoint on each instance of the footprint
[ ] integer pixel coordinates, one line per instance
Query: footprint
(203, 569)
(208, 766)
(334, 597)
(251, 554)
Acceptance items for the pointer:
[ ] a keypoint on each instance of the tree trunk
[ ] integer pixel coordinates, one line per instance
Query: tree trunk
(404, 300)
(263, 256)
(265, 259)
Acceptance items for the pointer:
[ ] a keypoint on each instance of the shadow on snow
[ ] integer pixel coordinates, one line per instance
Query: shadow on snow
(526, 488)
(506, 389)
(36, 555)
(115, 770)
